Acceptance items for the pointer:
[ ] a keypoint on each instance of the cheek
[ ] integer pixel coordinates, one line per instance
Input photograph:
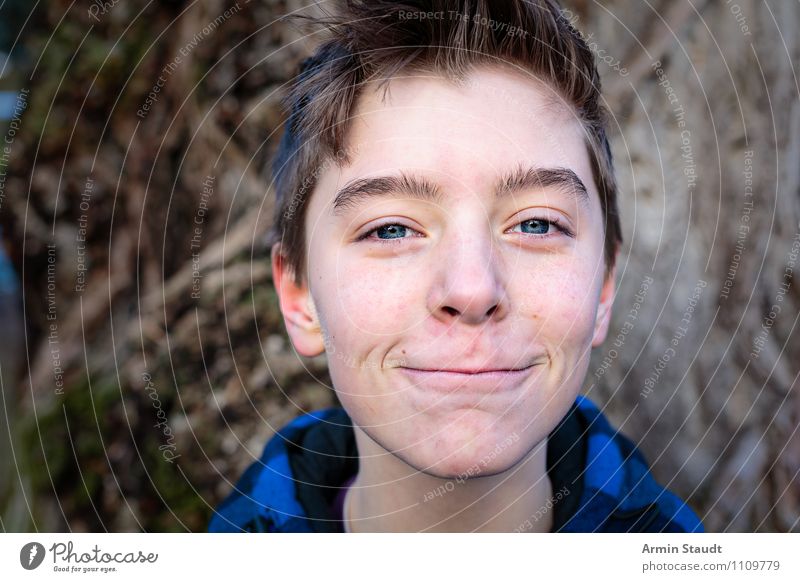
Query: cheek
(362, 312)
(564, 302)
(372, 300)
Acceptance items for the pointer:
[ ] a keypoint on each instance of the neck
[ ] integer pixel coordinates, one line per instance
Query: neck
(388, 495)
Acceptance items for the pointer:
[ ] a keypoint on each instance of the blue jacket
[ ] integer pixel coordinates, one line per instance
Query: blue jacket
(607, 481)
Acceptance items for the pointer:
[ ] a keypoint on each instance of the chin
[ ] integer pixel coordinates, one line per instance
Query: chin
(483, 457)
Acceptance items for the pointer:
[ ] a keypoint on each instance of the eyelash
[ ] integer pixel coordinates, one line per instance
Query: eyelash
(385, 241)
(554, 222)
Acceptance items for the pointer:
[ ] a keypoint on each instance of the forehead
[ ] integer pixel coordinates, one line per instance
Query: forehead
(462, 134)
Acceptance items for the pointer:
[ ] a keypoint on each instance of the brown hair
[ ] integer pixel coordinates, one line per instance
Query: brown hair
(374, 40)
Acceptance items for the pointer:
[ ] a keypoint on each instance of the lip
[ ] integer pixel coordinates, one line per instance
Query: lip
(470, 371)
(461, 379)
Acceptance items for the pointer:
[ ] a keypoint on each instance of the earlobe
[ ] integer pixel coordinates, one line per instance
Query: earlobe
(297, 307)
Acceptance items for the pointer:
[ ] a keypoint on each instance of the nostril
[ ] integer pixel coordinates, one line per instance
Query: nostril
(451, 310)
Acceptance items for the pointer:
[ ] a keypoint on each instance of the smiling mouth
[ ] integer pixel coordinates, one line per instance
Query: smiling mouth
(451, 380)
(469, 372)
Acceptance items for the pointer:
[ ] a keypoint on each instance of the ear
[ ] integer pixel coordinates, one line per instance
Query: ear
(297, 307)
(603, 318)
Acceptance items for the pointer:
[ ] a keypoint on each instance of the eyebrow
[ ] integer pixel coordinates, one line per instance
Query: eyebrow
(358, 191)
(527, 178)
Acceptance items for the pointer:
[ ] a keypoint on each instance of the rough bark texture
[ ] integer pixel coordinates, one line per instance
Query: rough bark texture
(712, 214)
(701, 363)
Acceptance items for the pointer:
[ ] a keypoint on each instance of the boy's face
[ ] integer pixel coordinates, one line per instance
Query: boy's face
(473, 276)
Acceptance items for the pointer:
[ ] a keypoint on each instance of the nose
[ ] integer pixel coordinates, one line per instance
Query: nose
(468, 286)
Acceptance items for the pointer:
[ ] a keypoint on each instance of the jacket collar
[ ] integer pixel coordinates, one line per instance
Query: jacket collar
(600, 480)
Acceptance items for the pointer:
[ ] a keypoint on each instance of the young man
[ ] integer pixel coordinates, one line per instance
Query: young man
(446, 231)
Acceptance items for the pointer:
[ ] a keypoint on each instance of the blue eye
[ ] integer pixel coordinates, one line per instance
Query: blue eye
(542, 227)
(393, 232)
(387, 233)
(390, 231)
(536, 226)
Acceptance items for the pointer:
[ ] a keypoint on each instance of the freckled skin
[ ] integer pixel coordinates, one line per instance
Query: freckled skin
(461, 288)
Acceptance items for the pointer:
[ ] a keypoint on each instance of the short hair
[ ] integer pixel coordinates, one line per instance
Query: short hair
(375, 40)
